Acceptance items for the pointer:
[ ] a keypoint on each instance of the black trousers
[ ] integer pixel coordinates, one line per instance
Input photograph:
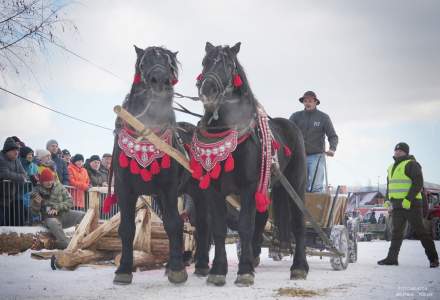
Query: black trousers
(415, 217)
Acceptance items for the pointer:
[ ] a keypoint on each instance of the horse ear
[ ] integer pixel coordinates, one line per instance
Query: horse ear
(139, 51)
(209, 47)
(236, 48)
(175, 53)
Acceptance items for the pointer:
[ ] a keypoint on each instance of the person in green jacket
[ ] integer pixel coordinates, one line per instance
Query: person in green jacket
(53, 201)
(405, 182)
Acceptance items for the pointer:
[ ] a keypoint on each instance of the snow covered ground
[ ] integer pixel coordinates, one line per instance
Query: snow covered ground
(24, 278)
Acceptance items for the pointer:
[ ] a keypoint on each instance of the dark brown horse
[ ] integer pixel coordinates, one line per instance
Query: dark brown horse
(232, 112)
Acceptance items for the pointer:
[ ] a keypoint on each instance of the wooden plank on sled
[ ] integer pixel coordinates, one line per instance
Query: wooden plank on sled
(70, 260)
(142, 237)
(83, 229)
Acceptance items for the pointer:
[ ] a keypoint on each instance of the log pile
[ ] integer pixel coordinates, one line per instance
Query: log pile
(93, 242)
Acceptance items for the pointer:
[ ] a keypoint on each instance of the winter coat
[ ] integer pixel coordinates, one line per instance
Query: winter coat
(11, 170)
(96, 177)
(414, 171)
(79, 179)
(315, 125)
(56, 197)
(31, 170)
(62, 171)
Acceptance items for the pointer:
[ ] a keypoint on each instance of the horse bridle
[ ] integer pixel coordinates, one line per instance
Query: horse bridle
(154, 67)
(223, 90)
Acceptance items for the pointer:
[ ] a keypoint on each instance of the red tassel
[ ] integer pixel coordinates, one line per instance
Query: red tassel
(196, 167)
(108, 202)
(287, 151)
(229, 164)
(261, 202)
(275, 145)
(237, 81)
(200, 77)
(205, 182)
(215, 172)
(123, 160)
(137, 78)
(174, 81)
(146, 175)
(155, 168)
(134, 167)
(165, 163)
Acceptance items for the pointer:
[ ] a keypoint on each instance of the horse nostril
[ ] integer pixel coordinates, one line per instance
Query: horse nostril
(153, 80)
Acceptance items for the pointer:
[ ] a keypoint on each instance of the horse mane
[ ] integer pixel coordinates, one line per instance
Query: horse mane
(245, 90)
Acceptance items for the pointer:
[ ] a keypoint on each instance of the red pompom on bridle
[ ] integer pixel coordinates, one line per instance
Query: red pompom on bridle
(137, 78)
(174, 81)
(237, 82)
(199, 77)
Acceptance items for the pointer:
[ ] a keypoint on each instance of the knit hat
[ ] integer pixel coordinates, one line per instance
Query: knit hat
(94, 157)
(40, 153)
(65, 152)
(51, 142)
(77, 157)
(402, 146)
(9, 145)
(46, 175)
(25, 151)
(309, 94)
(106, 155)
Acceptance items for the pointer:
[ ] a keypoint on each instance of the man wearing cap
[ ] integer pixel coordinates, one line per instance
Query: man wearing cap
(63, 175)
(315, 125)
(51, 199)
(404, 185)
(65, 155)
(12, 177)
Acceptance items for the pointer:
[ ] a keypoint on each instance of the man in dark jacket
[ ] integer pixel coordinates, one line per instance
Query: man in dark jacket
(12, 180)
(404, 185)
(51, 199)
(315, 125)
(61, 166)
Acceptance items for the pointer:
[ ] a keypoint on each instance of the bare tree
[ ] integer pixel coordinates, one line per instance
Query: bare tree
(26, 28)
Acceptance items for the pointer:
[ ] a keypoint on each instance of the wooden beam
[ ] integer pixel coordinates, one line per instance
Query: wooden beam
(142, 259)
(142, 237)
(82, 230)
(71, 259)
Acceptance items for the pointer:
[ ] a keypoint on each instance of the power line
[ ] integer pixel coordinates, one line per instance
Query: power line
(54, 110)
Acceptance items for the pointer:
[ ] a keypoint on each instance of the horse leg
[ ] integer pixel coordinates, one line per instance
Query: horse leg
(300, 267)
(257, 241)
(219, 269)
(127, 206)
(202, 236)
(245, 275)
(173, 225)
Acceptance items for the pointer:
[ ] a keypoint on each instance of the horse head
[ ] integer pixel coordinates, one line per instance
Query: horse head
(223, 81)
(156, 72)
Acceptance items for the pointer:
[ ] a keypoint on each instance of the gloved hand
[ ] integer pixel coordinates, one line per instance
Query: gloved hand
(406, 204)
(387, 204)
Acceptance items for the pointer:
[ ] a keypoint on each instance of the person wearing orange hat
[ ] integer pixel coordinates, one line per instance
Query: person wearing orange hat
(51, 199)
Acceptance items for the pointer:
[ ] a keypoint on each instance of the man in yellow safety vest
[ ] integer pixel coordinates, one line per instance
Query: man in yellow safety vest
(405, 182)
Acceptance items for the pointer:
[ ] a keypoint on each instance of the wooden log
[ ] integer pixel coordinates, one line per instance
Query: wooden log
(70, 260)
(105, 228)
(94, 204)
(152, 137)
(43, 255)
(142, 237)
(143, 259)
(83, 229)
(109, 244)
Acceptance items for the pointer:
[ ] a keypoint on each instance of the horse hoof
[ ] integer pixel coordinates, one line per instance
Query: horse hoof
(256, 261)
(123, 278)
(298, 274)
(217, 280)
(244, 280)
(201, 272)
(177, 277)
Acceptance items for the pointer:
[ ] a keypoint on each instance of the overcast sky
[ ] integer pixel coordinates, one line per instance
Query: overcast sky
(375, 66)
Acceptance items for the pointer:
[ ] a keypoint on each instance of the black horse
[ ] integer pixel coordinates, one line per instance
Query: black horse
(141, 169)
(231, 108)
